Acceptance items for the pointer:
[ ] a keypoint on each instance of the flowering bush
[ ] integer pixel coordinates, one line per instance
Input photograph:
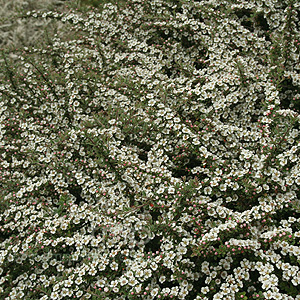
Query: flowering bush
(154, 154)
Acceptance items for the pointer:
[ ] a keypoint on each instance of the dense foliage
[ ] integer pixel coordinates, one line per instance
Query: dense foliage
(153, 153)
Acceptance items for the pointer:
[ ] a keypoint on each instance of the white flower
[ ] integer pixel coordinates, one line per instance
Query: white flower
(54, 295)
(147, 273)
(154, 292)
(123, 281)
(139, 273)
(196, 141)
(171, 190)
(112, 121)
(181, 250)
(132, 281)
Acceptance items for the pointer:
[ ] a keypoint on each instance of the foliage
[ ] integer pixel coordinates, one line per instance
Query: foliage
(99, 3)
(153, 153)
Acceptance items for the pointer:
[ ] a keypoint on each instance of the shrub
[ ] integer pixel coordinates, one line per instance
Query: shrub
(154, 153)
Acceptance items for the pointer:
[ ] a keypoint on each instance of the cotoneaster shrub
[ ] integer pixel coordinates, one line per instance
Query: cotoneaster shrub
(154, 154)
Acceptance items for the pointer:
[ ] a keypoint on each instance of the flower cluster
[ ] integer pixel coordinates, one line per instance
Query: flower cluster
(153, 153)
